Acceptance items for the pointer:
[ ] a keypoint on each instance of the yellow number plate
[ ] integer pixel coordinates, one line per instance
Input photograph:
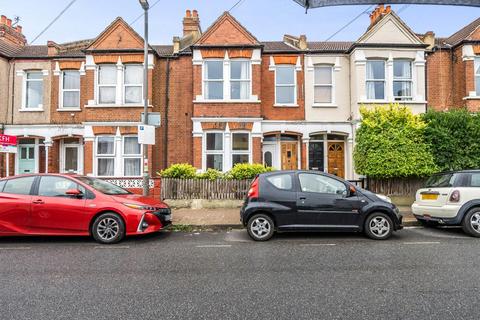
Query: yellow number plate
(429, 196)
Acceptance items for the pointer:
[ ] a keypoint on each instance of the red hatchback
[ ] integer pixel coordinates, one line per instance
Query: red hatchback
(54, 204)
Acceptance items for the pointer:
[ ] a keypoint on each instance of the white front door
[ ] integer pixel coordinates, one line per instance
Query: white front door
(71, 159)
(270, 157)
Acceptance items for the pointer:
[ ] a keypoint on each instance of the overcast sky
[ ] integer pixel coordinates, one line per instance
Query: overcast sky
(266, 19)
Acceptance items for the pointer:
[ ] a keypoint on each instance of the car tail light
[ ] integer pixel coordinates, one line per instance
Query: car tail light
(455, 196)
(253, 192)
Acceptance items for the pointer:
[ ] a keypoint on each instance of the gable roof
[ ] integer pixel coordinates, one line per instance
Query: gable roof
(226, 17)
(463, 34)
(101, 41)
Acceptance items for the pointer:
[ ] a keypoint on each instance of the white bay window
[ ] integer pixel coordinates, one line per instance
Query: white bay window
(133, 84)
(214, 150)
(477, 76)
(213, 79)
(376, 80)
(402, 80)
(132, 157)
(107, 84)
(240, 80)
(105, 156)
(227, 80)
(240, 148)
(117, 156)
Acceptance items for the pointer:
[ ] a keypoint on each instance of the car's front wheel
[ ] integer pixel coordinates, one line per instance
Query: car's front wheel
(260, 227)
(378, 226)
(471, 222)
(108, 228)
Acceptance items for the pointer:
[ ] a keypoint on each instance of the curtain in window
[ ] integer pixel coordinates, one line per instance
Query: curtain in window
(132, 167)
(34, 90)
(375, 84)
(133, 83)
(214, 80)
(285, 84)
(105, 145)
(323, 84)
(131, 145)
(106, 167)
(71, 87)
(477, 75)
(240, 80)
(107, 80)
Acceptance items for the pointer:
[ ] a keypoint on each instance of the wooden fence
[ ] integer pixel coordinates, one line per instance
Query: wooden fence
(405, 187)
(185, 189)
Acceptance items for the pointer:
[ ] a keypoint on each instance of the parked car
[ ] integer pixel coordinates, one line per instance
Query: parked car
(451, 198)
(54, 204)
(313, 201)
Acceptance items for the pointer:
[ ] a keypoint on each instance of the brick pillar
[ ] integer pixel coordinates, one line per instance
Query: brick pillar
(257, 150)
(469, 77)
(54, 157)
(303, 161)
(197, 152)
(88, 157)
(11, 166)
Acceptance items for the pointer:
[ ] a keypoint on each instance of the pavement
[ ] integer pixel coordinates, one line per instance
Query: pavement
(417, 274)
(230, 218)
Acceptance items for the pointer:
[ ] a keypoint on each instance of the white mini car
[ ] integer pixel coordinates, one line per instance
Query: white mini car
(451, 198)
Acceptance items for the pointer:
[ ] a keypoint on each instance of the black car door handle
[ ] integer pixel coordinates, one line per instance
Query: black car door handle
(38, 202)
(303, 198)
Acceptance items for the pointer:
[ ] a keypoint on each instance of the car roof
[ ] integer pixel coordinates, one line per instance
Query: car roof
(459, 171)
(301, 171)
(67, 175)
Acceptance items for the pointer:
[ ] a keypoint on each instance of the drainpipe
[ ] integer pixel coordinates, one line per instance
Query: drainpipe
(167, 105)
(13, 92)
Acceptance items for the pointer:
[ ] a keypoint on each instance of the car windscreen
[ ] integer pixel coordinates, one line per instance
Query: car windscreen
(444, 180)
(103, 186)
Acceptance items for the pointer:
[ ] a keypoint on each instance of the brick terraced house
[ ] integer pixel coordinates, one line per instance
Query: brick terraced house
(223, 96)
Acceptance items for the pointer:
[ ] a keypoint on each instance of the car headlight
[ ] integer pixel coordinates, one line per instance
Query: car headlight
(384, 198)
(139, 206)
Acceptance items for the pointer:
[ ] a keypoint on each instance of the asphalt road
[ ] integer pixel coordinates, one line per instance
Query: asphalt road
(419, 274)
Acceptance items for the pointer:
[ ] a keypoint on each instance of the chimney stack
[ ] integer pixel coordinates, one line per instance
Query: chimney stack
(379, 12)
(191, 23)
(12, 35)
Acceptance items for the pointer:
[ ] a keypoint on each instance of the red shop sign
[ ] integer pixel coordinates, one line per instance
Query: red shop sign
(8, 140)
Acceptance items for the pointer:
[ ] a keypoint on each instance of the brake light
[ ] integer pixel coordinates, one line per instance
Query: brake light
(455, 196)
(253, 192)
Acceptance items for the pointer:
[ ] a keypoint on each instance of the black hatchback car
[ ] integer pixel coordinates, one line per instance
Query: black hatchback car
(315, 201)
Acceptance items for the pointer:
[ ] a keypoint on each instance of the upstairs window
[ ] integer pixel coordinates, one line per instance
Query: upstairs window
(213, 79)
(285, 87)
(402, 80)
(133, 83)
(107, 84)
(34, 90)
(323, 84)
(477, 75)
(70, 89)
(240, 80)
(375, 80)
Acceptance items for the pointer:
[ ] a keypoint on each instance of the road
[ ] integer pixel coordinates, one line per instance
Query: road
(418, 274)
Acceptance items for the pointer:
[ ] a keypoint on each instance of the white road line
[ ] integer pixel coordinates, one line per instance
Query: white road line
(422, 242)
(215, 246)
(110, 247)
(16, 248)
(414, 227)
(317, 244)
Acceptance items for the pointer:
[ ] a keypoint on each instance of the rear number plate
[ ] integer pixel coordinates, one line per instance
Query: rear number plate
(429, 196)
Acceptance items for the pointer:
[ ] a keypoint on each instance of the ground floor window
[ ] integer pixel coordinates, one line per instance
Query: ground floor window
(223, 150)
(132, 156)
(240, 148)
(214, 150)
(114, 159)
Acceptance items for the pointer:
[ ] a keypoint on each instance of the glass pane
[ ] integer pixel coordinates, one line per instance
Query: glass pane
(321, 184)
(214, 141)
(268, 159)
(316, 156)
(133, 74)
(477, 65)
(214, 70)
(281, 181)
(214, 90)
(107, 94)
(240, 70)
(19, 186)
(323, 75)
(34, 94)
(131, 146)
(71, 159)
(23, 153)
(239, 158)
(55, 186)
(31, 153)
(240, 141)
(402, 69)
(240, 90)
(133, 94)
(323, 94)
(71, 99)
(27, 141)
(285, 95)
(2, 184)
(285, 75)
(376, 70)
(215, 161)
(477, 85)
(34, 75)
(106, 167)
(105, 145)
(107, 75)
(402, 88)
(132, 167)
(375, 90)
(71, 80)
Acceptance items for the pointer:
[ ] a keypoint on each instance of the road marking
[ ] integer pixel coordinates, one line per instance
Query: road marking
(422, 242)
(317, 244)
(215, 246)
(110, 247)
(16, 248)
(414, 227)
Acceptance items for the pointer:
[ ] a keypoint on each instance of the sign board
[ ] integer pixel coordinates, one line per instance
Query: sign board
(8, 149)
(146, 134)
(153, 119)
(6, 140)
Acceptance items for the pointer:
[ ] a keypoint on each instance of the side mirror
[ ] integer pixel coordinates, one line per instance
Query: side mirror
(74, 193)
(353, 191)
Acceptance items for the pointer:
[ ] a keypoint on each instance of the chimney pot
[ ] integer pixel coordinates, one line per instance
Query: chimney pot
(3, 19)
(188, 14)
(195, 13)
(19, 29)
(9, 22)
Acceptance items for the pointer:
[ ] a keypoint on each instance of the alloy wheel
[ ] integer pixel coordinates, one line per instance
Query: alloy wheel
(260, 227)
(475, 222)
(108, 229)
(379, 226)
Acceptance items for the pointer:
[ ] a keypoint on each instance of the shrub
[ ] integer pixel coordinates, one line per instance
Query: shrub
(242, 171)
(390, 143)
(454, 137)
(210, 174)
(179, 171)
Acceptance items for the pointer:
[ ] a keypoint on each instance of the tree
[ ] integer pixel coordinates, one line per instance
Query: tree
(390, 144)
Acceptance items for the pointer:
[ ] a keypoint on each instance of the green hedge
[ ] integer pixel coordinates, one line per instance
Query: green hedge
(239, 172)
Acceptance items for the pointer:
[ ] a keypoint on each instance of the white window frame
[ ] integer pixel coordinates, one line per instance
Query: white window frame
(98, 85)
(240, 152)
(131, 156)
(294, 104)
(105, 156)
(331, 85)
(62, 90)
(476, 74)
(213, 152)
(205, 80)
(249, 79)
(25, 91)
(367, 80)
(125, 85)
(410, 80)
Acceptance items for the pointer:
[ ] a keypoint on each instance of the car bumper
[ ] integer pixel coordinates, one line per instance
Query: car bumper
(154, 221)
(443, 212)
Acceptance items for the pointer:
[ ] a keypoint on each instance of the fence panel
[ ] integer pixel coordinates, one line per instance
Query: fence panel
(186, 189)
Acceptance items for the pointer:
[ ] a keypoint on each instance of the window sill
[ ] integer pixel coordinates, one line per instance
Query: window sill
(116, 106)
(285, 105)
(388, 102)
(31, 110)
(227, 101)
(324, 105)
(472, 98)
(68, 109)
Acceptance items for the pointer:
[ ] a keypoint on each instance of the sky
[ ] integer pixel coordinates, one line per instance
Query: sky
(268, 20)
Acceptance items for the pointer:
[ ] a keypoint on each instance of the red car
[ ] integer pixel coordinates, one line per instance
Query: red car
(55, 204)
